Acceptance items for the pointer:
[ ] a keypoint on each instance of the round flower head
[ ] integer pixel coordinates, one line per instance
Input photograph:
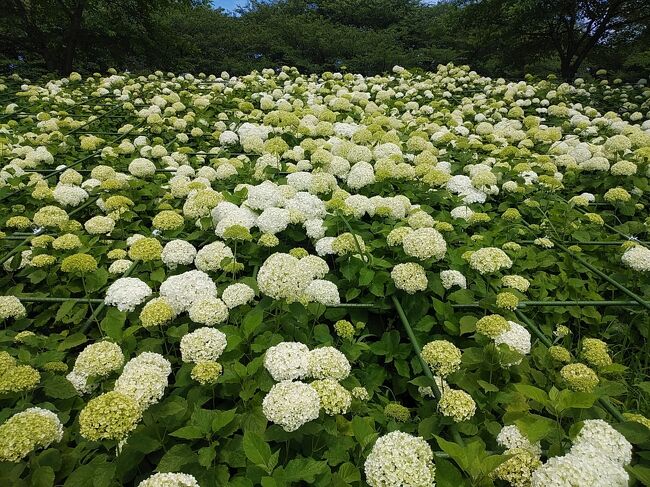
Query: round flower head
(397, 412)
(68, 241)
(182, 290)
(79, 264)
(517, 338)
(323, 292)
(146, 249)
(492, 326)
(409, 277)
(209, 311)
(202, 345)
(287, 361)
(156, 312)
(510, 437)
(457, 405)
(282, 277)
(111, 416)
(517, 470)
(291, 404)
(396, 236)
(637, 258)
(237, 295)
(168, 220)
(99, 225)
(579, 377)
(99, 359)
(443, 357)
(334, 398)
(178, 252)
(206, 373)
(210, 257)
(519, 283)
(559, 353)
(597, 438)
(170, 480)
(576, 470)
(126, 293)
(594, 352)
(19, 378)
(328, 362)
(425, 243)
(348, 243)
(26, 431)
(144, 379)
(142, 167)
(399, 459)
(489, 259)
(453, 278)
(50, 216)
(11, 307)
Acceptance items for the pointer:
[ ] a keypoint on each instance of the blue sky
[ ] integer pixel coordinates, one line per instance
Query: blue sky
(229, 4)
(232, 4)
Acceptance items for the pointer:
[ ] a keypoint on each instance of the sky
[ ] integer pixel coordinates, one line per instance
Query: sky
(233, 4)
(229, 4)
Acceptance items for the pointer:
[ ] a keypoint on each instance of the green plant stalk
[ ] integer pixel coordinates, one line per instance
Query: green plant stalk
(523, 304)
(601, 274)
(427, 371)
(363, 255)
(38, 299)
(596, 243)
(102, 305)
(604, 402)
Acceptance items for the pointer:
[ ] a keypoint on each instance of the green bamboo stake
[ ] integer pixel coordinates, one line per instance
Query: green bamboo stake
(38, 299)
(601, 274)
(590, 243)
(604, 402)
(523, 304)
(427, 371)
(102, 305)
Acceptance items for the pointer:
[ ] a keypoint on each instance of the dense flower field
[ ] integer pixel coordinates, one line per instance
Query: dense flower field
(284, 279)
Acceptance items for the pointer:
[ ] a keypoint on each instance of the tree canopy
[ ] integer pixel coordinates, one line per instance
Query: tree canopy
(507, 38)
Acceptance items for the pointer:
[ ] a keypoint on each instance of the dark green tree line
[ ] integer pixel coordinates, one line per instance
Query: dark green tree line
(506, 38)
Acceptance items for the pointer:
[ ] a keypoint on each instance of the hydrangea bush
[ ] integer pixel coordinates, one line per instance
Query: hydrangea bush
(337, 280)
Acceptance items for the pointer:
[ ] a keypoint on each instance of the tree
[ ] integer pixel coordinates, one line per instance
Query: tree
(55, 29)
(523, 29)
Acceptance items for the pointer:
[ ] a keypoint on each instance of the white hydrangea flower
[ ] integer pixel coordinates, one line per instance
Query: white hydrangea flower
(178, 252)
(451, 278)
(127, 293)
(170, 479)
(182, 290)
(202, 345)
(291, 404)
(637, 258)
(400, 459)
(237, 294)
(328, 363)
(287, 361)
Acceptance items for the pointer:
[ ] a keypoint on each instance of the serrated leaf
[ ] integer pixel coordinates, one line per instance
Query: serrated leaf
(175, 458)
(223, 418)
(303, 469)
(188, 433)
(59, 387)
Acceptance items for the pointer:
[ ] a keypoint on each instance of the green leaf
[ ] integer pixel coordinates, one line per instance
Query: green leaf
(42, 477)
(223, 418)
(363, 430)
(59, 387)
(206, 456)
(258, 451)
(303, 469)
(64, 310)
(447, 475)
(188, 433)
(252, 321)
(175, 458)
(113, 323)
(455, 452)
(366, 276)
(532, 392)
(72, 341)
(535, 427)
(349, 473)
(642, 474)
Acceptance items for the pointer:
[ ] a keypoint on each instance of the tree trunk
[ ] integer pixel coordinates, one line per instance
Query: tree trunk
(72, 38)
